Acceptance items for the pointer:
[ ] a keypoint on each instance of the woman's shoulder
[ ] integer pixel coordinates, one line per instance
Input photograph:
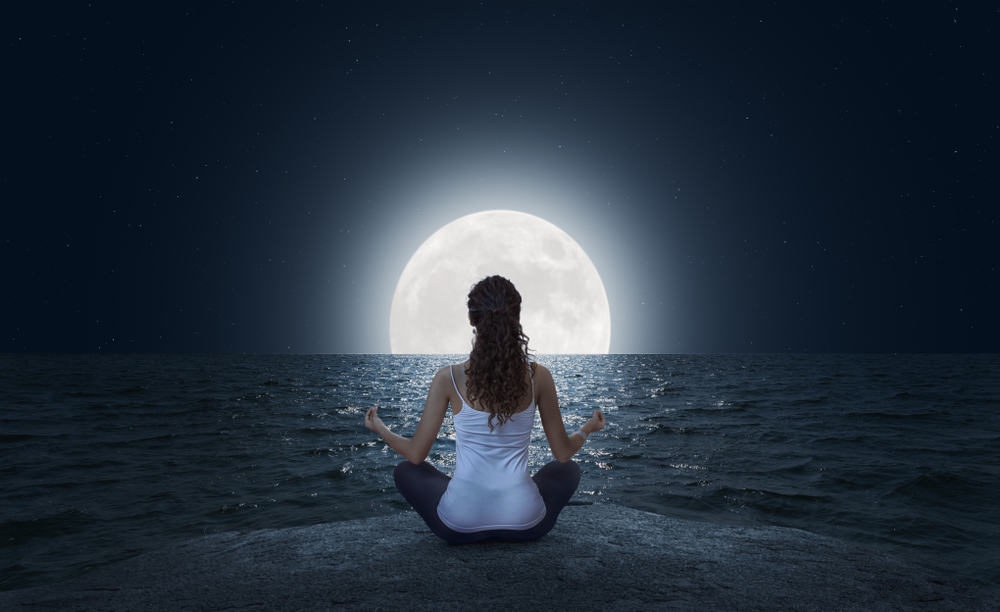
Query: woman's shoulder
(538, 369)
(447, 371)
(455, 371)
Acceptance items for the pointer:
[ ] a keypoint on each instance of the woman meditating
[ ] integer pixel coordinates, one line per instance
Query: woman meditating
(493, 396)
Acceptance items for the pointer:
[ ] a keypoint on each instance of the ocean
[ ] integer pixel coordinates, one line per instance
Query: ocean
(104, 457)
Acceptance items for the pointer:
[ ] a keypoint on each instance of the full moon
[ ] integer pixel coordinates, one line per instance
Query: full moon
(564, 308)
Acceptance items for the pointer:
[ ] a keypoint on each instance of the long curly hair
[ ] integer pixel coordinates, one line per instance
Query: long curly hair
(495, 374)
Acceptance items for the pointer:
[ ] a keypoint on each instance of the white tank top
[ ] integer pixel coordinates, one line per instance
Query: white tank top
(491, 488)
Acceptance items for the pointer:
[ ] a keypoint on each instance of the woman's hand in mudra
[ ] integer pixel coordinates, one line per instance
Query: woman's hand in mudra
(372, 421)
(596, 423)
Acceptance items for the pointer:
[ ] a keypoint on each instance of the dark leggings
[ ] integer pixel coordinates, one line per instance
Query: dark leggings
(423, 485)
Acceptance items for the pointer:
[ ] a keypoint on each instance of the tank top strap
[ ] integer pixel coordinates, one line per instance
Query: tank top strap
(531, 375)
(453, 384)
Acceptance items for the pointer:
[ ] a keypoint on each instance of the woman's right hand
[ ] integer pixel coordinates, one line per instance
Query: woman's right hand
(596, 423)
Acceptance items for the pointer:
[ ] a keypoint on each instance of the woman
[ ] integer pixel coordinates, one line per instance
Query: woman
(493, 396)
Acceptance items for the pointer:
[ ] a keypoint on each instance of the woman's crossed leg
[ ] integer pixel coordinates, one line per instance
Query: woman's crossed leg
(423, 485)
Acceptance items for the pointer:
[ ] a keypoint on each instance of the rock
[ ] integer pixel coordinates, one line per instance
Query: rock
(598, 557)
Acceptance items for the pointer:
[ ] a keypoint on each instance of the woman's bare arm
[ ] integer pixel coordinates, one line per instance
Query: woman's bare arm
(563, 446)
(415, 449)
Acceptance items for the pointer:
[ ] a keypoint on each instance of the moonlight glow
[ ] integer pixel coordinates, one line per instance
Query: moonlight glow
(564, 306)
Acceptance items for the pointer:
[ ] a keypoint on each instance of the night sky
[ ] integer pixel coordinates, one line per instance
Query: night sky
(253, 177)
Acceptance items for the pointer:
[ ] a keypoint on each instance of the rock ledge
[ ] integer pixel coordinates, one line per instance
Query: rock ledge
(599, 557)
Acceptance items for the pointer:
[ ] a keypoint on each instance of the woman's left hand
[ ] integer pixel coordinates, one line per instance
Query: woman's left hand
(372, 421)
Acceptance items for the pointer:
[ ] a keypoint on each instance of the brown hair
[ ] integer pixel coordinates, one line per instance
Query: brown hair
(495, 374)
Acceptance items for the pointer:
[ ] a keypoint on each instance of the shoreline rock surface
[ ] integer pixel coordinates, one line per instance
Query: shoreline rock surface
(599, 557)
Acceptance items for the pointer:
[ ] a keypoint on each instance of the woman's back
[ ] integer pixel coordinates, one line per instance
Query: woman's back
(491, 487)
